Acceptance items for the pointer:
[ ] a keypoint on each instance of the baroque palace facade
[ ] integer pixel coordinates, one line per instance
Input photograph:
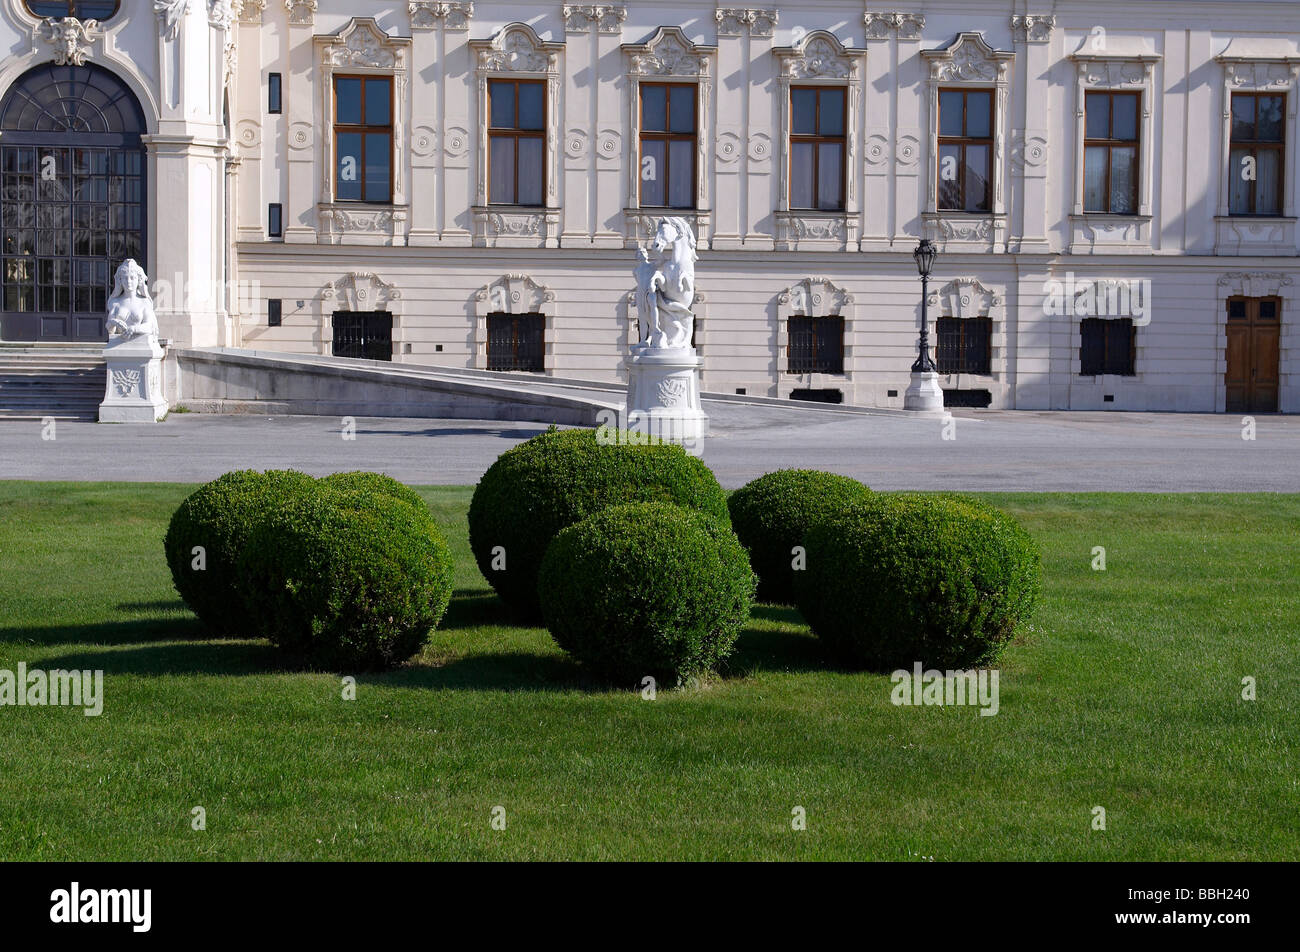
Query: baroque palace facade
(1111, 186)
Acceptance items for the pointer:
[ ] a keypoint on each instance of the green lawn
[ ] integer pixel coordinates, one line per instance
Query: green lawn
(1125, 694)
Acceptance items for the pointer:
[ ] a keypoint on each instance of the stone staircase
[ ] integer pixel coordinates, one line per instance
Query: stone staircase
(63, 381)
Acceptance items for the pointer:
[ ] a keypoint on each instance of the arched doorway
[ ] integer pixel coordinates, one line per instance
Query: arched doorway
(72, 199)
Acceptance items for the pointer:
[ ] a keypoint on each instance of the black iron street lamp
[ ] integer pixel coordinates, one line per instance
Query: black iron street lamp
(924, 254)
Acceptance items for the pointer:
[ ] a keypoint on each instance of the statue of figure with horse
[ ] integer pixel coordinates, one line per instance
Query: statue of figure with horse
(665, 287)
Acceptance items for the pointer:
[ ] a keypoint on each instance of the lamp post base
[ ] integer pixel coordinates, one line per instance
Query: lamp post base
(923, 393)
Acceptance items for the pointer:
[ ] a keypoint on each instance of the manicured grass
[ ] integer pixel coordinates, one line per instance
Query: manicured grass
(1125, 694)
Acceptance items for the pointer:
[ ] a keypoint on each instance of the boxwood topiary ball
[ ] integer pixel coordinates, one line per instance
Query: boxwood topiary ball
(646, 589)
(376, 482)
(346, 580)
(217, 518)
(772, 513)
(556, 479)
(901, 579)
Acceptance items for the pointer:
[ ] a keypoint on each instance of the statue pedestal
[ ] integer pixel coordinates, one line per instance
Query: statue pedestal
(663, 394)
(924, 392)
(134, 393)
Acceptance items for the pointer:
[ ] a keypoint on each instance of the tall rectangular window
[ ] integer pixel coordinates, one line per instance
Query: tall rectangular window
(1107, 346)
(275, 220)
(1110, 152)
(516, 141)
(963, 345)
(363, 139)
(668, 142)
(274, 308)
(965, 150)
(817, 147)
(1257, 160)
(273, 90)
(816, 345)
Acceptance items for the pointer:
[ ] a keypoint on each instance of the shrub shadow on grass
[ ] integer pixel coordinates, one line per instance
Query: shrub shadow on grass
(513, 671)
(208, 657)
(474, 608)
(762, 648)
(130, 632)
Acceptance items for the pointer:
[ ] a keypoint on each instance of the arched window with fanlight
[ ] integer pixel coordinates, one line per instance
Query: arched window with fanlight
(100, 10)
(72, 199)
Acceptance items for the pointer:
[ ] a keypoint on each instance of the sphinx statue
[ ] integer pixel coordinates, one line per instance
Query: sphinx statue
(665, 287)
(130, 310)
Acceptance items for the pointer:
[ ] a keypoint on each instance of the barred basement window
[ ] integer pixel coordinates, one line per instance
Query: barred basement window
(516, 342)
(364, 335)
(1257, 161)
(816, 345)
(963, 345)
(1107, 346)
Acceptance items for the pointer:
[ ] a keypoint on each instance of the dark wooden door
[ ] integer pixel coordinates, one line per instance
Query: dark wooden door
(1254, 334)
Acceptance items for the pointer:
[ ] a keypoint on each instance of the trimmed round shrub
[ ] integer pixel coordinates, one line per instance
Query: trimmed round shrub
(346, 580)
(558, 478)
(377, 483)
(901, 579)
(772, 513)
(218, 517)
(646, 589)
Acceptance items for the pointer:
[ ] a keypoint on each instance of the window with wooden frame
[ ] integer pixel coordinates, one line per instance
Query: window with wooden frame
(363, 139)
(668, 144)
(962, 345)
(516, 141)
(818, 146)
(965, 160)
(1107, 346)
(1110, 152)
(1257, 154)
(816, 345)
(83, 10)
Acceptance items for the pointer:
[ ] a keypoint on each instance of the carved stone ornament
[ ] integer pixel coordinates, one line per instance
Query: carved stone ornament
(736, 21)
(668, 53)
(604, 17)
(71, 39)
(426, 14)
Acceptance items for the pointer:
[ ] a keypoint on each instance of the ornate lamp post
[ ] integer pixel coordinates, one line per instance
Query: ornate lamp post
(924, 393)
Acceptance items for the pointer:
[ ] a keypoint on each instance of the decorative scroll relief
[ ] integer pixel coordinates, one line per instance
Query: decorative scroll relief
(516, 48)
(605, 18)
(362, 43)
(1261, 76)
(668, 53)
(736, 21)
(1255, 283)
(815, 297)
(301, 12)
(169, 14)
(360, 291)
(818, 56)
(514, 294)
(965, 297)
(1032, 28)
(908, 26)
(1028, 149)
(71, 39)
(968, 59)
(426, 14)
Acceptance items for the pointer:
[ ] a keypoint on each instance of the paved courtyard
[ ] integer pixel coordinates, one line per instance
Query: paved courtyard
(998, 450)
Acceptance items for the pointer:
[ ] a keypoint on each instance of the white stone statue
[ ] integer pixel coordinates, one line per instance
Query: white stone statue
(665, 287)
(130, 310)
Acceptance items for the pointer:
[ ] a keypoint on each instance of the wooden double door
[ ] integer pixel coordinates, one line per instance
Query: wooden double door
(1254, 333)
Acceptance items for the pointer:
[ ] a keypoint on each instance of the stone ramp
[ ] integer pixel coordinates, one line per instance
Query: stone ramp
(229, 380)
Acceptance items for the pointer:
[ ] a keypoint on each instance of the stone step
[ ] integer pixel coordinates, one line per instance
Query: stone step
(67, 384)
